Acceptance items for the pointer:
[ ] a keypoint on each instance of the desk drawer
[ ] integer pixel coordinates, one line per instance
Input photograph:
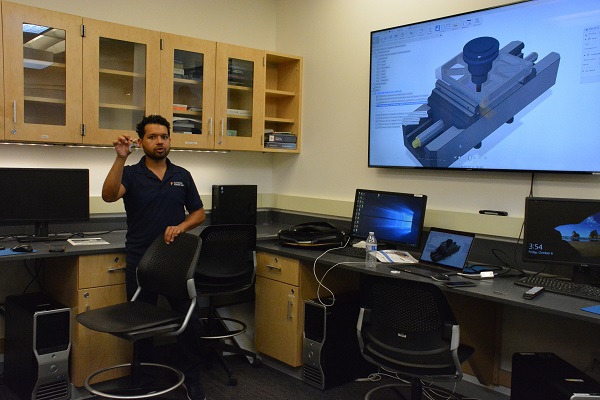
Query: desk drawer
(101, 270)
(279, 268)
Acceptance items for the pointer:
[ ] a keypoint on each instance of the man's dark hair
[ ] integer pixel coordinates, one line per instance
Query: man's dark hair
(151, 119)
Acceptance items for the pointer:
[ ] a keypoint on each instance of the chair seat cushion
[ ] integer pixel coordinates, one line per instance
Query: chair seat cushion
(127, 317)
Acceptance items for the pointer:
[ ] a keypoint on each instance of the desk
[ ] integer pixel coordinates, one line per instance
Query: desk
(483, 311)
(480, 310)
(84, 277)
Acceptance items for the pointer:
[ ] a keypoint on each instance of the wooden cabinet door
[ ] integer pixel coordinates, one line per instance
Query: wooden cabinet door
(278, 329)
(93, 350)
(121, 72)
(239, 98)
(42, 62)
(187, 90)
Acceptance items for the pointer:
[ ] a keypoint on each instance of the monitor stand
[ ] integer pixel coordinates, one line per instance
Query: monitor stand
(41, 234)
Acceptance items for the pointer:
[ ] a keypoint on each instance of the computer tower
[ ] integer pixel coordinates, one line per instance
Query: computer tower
(331, 354)
(37, 346)
(547, 376)
(233, 204)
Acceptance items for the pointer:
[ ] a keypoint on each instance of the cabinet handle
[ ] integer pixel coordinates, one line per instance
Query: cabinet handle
(222, 124)
(14, 111)
(116, 269)
(289, 309)
(275, 267)
(210, 126)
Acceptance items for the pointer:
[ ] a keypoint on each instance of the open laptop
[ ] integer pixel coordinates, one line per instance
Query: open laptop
(445, 252)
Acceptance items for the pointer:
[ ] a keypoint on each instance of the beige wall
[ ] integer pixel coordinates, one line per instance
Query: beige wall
(333, 38)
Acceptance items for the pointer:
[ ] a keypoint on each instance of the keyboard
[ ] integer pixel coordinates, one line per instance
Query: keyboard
(559, 286)
(350, 251)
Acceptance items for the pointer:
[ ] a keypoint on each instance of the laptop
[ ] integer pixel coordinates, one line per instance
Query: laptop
(445, 252)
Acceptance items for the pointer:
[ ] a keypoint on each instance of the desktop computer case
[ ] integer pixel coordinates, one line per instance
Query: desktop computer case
(233, 204)
(331, 353)
(547, 376)
(37, 347)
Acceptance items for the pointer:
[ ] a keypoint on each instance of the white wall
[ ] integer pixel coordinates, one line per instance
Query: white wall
(333, 36)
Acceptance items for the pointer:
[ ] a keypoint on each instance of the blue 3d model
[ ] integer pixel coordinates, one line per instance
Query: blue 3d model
(476, 92)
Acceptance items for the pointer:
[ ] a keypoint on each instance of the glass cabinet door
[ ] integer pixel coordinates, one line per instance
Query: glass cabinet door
(239, 102)
(121, 75)
(42, 60)
(187, 94)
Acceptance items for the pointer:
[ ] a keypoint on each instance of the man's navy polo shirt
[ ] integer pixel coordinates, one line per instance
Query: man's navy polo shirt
(152, 205)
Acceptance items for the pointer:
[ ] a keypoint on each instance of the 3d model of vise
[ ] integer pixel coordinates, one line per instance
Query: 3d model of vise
(476, 92)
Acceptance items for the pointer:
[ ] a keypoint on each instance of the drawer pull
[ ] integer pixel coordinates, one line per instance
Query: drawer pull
(117, 269)
(289, 309)
(275, 267)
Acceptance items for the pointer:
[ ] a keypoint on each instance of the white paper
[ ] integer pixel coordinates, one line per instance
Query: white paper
(395, 256)
(87, 241)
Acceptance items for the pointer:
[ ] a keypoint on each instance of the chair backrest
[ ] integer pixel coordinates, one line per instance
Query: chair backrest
(228, 251)
(168, 269)
(408, 315)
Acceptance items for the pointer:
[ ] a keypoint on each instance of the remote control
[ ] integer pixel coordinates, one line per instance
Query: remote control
(534, 291)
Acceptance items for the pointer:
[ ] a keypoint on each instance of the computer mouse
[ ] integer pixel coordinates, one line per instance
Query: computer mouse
(440, 277)
(23, 248)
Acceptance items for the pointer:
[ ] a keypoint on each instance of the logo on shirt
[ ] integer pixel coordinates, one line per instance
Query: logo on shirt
(177, 184)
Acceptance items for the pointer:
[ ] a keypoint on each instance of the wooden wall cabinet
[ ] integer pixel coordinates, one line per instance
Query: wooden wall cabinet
(282, 285)
(42, 63)
(89, 282)
(74, 80)
(121, 75)
(187, 90)
(283, 97)
(239, 104)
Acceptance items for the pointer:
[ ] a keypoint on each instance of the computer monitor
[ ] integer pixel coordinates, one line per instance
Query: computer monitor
(39, 196)
(396, 218)
(564, 232)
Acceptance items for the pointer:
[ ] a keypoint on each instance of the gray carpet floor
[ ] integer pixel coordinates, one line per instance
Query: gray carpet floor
(267, 383)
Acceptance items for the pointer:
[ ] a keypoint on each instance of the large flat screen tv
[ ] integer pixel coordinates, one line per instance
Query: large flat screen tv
(511, 88)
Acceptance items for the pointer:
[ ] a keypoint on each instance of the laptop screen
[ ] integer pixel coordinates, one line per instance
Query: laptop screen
(396, 218)
(447, 248)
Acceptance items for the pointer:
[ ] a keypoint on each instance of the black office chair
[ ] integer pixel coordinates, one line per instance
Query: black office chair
(407, 327)
(227, 265)
(167, 270)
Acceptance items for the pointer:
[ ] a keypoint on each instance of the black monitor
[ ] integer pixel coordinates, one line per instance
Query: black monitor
(564, 232)
(396, 218)
(39, 196)
(511, 88)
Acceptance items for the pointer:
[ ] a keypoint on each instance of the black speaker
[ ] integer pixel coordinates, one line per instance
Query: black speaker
(233, 204)
(331, 354)
(549, 377)
(37, 346)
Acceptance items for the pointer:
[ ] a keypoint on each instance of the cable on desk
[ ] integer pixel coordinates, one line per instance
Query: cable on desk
(320, 280)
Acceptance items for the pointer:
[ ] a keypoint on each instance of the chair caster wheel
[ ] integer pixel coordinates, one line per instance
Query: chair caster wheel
(232, 381)
(257, 363)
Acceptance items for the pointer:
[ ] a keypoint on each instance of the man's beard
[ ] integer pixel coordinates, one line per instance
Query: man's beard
(157, 157)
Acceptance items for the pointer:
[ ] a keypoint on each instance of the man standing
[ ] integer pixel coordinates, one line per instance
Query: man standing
(156, 194)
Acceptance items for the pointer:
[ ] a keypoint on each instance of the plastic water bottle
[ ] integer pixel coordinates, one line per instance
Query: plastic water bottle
(371, 248)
